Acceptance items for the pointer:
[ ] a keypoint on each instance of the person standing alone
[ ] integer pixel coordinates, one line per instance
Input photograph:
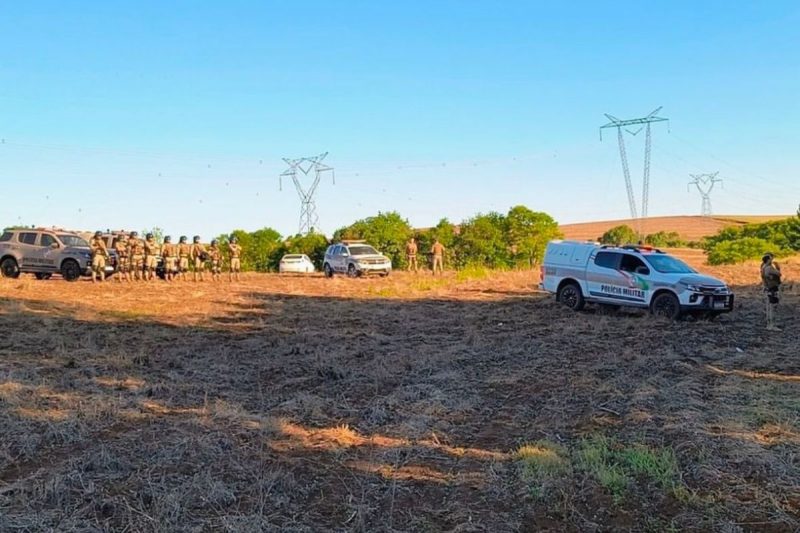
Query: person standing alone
(411, 255)
(235, 250)
(437, 250)
(771, 278)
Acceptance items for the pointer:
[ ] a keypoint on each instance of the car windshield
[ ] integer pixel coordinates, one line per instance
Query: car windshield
(668, 265)
(73, 240)
(292, 256)
(362, 250)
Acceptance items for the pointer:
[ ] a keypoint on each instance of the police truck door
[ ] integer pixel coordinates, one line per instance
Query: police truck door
(602, 275)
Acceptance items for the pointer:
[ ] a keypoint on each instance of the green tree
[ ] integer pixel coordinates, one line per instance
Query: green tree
(483, 241)
(619, 235)
(528, 234)
(388, 232)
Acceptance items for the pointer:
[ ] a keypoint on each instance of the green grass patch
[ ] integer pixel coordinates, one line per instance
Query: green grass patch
(615, 466)
(541, 462)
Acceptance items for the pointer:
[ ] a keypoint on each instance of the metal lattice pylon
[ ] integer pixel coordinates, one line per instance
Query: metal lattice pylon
(614, 122)
(705, 184)
(309, 221)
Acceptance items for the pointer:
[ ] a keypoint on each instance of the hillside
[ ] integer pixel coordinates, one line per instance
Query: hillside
(690, 228)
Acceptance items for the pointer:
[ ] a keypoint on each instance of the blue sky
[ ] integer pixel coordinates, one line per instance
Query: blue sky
(178, 114)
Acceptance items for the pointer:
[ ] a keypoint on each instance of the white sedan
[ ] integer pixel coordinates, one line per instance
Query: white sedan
(296, 264)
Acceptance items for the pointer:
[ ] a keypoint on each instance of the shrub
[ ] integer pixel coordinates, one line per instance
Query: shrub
(742, 249)
(619, 235)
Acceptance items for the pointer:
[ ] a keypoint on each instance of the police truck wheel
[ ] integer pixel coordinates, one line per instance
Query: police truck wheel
(328, 271)
(666, 305)
(42, 275)
(571, 296)
(352, 271)
(70, 270)
(9, 268)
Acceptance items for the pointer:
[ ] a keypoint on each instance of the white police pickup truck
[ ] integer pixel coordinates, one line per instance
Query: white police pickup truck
(635, 276)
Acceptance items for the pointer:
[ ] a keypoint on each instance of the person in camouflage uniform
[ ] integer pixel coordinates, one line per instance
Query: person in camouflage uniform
(136, 256)
(437, 251)
(152, 251)
(411, 255)
(99, 256)
(184, 255)
(771, 279)
(200, 256)
(235, 251)
(215, 255)
(123, 260)
(170, 254)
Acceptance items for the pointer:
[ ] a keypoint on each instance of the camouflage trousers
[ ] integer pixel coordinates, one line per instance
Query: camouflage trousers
(171, 264)
(123, 264)
(136, 263)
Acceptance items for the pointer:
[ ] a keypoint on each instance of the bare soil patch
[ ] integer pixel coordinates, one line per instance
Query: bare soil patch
(401, 404)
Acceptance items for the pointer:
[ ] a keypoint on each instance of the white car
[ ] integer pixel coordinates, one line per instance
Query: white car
(296, 264)
(635, 276)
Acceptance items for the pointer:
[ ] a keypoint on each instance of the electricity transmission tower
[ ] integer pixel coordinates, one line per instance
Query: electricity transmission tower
(705, 184)
(306, 165)
(643, 123)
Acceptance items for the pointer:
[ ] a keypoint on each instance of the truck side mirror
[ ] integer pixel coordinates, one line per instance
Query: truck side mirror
(54, 245)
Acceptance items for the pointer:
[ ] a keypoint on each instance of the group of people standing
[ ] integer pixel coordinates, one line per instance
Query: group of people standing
(437, 255)
(138, 259)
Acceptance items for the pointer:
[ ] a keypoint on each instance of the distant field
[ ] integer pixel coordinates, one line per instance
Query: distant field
(690, 228)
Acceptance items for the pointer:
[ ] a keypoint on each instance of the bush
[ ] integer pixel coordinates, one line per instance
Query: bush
(619, 235)
(665, 239)
(312, 244)
(742, 249)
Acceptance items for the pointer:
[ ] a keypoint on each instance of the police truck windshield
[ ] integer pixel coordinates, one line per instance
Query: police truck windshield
(668, 265)
(362, 250)
(73, 240)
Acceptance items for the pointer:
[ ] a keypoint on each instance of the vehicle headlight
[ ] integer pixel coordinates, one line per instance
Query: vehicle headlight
(693, 288)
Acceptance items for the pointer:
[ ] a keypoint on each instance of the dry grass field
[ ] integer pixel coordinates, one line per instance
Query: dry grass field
(690, 228)
(466, 403)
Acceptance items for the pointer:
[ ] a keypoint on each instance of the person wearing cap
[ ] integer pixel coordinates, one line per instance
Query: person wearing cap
(200, 256)
(771, 279)
(170, 254)
(152, 251)
(123, 260)
(99, 256)
(184, 254)
(136, 256)
(215, 255)
(235, 252)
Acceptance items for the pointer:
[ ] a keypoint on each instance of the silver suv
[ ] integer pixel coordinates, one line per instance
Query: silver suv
(355, 259)
(44, 252)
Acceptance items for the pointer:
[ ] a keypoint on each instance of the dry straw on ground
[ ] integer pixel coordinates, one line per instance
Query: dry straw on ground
(406, 403)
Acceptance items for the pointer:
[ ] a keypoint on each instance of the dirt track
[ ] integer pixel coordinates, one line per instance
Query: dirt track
(372, 405)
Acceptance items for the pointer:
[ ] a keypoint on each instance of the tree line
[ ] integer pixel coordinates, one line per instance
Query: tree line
(516, 239)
